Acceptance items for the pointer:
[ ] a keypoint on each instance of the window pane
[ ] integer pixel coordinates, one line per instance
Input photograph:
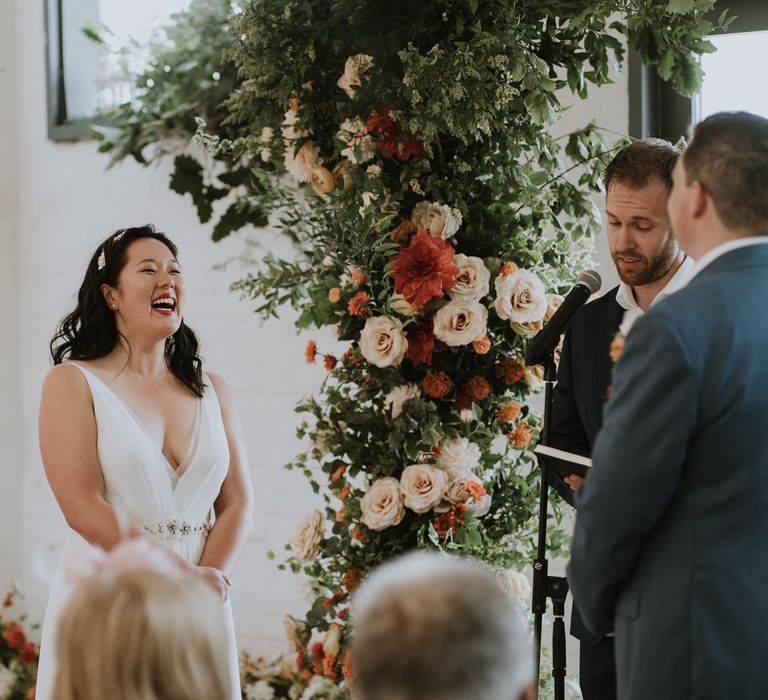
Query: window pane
(727, 84)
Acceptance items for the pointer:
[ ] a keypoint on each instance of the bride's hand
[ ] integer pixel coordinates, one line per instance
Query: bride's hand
(215, 579)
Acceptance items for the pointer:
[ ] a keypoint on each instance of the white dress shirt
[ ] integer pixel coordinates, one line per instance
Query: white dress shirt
(724, 248)
(626, 299)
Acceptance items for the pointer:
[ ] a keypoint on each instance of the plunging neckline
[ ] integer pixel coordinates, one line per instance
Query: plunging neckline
(176, 473)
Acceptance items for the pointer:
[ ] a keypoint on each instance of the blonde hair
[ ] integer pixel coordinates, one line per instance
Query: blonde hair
(143, 635)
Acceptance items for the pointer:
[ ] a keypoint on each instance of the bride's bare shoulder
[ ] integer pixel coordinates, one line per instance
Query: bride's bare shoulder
(65, 380)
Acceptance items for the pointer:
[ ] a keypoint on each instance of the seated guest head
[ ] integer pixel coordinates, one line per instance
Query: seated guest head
(142, 629)
(720, 183)
(637, 185)
(435, 627)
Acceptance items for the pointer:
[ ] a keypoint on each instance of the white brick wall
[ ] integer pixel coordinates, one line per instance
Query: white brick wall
(56, 203)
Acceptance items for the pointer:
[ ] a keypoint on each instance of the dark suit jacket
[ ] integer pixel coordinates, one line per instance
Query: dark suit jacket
(671, 537)
(583, 377)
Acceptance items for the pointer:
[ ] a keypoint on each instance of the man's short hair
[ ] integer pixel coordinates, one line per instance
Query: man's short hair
(728, 155)
(436, 627)
(641, 161)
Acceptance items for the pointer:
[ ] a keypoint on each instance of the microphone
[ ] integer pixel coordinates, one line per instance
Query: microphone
(543, 345)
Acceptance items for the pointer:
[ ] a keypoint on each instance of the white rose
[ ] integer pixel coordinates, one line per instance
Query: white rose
(400, 305)
(474, 278)
(300, 165)
(460, 322)
(382, 341)
(306, 542)
(332, 640)
(439, 219)
(382, 505)
(354, 134)
(422, 486)
(399, 395)
(354, 67)
(458, 455)
(527, 330)
(520, 297)
(534, 377)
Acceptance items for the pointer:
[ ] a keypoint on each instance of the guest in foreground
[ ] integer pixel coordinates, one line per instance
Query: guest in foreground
(651, 266)
(434, 627)
(669, 547)
(142, 628)
(131, 425)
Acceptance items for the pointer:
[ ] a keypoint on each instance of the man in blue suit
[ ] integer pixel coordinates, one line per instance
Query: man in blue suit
(651, 265)
(670, 549)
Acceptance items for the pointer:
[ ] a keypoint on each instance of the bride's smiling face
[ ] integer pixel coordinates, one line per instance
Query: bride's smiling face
(149, 297)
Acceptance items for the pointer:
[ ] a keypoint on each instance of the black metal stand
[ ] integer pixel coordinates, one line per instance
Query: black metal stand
(544, 585)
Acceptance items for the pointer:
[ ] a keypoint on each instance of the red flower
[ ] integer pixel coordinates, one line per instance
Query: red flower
(335, 598)
(391, 143)
(329, 663)
(310, 352)
(14, 636)
(446, 523)
(382, 123)
(425, 269)
(27, 654)
(329, 361)
(338, 473)
(346, 668)
(358, 305)
(437, 385)
(421, 343)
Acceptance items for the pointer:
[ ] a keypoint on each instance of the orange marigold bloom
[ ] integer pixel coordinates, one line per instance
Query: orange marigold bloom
(310, 352)
(340, 471)
(507, 269)
(437, 384)
(478, 388)
(520, 437)
(510, 370)
(347, 669)
(352, 579)
(358, 276)
(482, 345)
(509, 412)
(334, 295)
(358, 304)
(329, 664)
(424, 270)
(344, 492)
(329, 362)
(402, 231)
(475, 489)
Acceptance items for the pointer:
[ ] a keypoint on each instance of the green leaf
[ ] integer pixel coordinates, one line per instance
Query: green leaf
(187, 178)
(681, 7)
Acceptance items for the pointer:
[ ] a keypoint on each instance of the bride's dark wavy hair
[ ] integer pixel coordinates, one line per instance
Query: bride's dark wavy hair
(90, 331)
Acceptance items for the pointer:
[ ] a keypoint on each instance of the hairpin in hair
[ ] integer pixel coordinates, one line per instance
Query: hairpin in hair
(101, 261)
(118, 235)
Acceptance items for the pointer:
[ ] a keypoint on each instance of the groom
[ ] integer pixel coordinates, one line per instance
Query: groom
(670, 548)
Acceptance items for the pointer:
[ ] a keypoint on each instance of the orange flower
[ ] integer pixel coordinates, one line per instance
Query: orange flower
(329, 361)
(27, 653)
(617, 347)
(446, 523)
(329, 670)
(507, 269)
(402, 231)
(340, 470)
(310, 352)
(334, 295)
(510, 371)
(341, 515)
(14, 636)
(359, 534)
(510, 412)
(328, 602)
(478, 388)
(344, 492)
(343, 614)
(475, 489)
(358, 276)
(30, 694)
(424, 270)
(520, 437)
(482, 345)
(358, 305)
(346, 668)
(8, 601)
(437, 384)
(352, 579)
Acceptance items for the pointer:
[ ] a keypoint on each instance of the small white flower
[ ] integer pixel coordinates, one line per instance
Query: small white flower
(267, 134)
(7, 681)
(261, 690)
(415, 186)
(458, 455)
(301, 164)
(466, 415)
(354, 134)
(399, 395)
(373, 169)
(534, 377)
(354, 67)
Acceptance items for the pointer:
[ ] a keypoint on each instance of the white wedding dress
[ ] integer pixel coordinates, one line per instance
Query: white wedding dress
(173, 506)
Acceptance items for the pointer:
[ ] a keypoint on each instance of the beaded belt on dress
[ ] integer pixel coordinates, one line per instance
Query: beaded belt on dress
(175, 529)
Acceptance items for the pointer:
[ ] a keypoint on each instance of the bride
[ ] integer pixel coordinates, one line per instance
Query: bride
(131, 425)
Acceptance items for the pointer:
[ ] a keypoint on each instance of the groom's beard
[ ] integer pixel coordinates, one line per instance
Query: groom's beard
(646, 270)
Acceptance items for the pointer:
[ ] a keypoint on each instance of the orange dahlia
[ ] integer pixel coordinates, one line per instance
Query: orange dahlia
(329, 361)
(358, 304)
(520, 437)
(510, 412)
(310, 352)
(510, 371)
(437, 384)
(424, 270)
(358, 276)
(478, 388)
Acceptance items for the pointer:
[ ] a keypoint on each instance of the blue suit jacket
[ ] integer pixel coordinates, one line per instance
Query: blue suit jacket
(671, 539)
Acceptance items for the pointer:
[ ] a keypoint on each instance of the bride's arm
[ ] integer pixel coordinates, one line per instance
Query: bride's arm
(234, 505)
(68, 447)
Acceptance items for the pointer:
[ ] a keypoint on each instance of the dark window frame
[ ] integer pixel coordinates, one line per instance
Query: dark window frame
(655, 109)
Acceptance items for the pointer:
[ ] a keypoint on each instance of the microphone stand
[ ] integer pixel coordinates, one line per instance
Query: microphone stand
(544, 585)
